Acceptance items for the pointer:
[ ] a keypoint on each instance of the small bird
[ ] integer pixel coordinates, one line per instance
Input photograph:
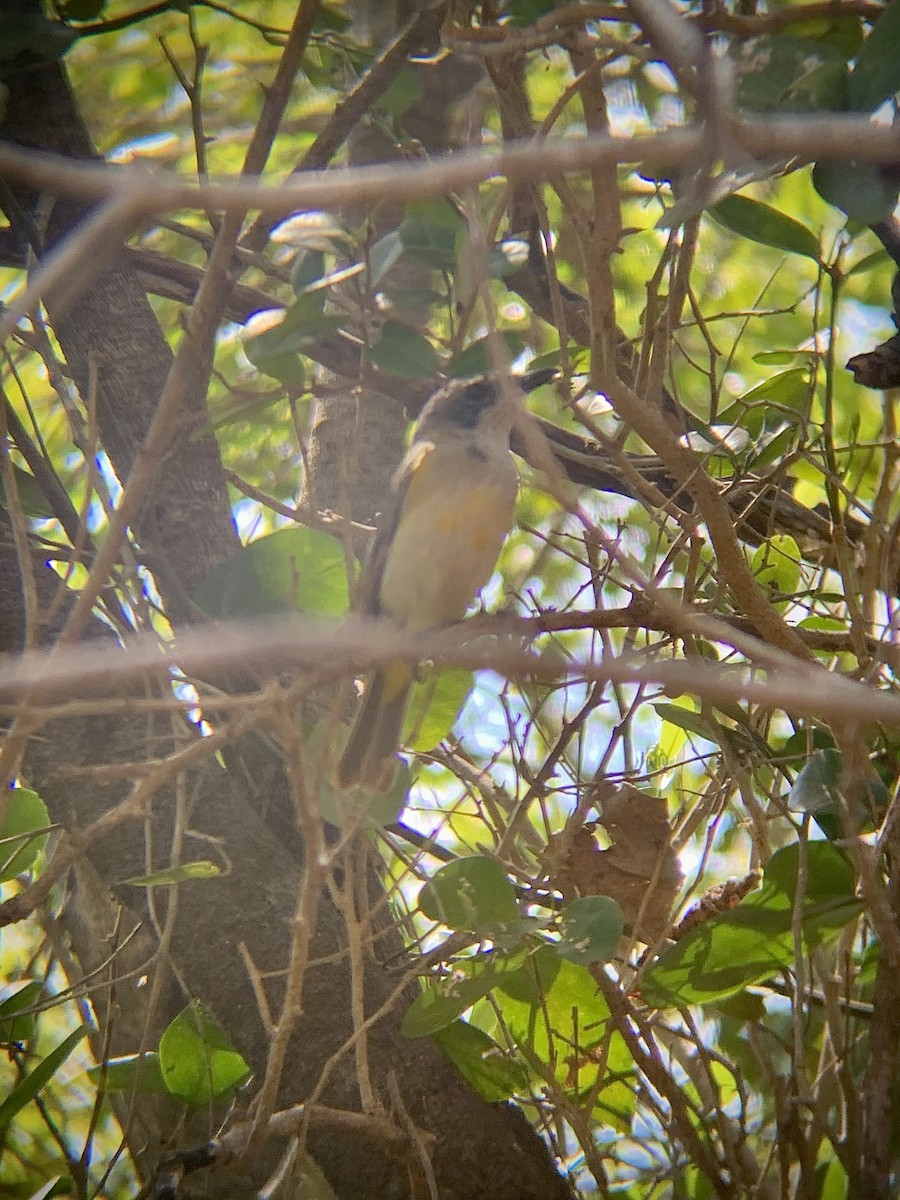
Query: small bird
(453, 502)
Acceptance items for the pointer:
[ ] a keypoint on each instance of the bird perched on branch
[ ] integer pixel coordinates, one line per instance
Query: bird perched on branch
(453, 502)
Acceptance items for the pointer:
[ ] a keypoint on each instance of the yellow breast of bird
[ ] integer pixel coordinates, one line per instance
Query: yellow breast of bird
(457, 509)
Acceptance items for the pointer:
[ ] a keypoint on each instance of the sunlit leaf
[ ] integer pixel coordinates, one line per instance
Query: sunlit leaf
(556, 1014)
(301, 569)
(201, 869)
(436, 702)
(444, 1000)
(16, 1025)
(139, 1073)
(35, 1081)
(21, 839)
(196, 1057)
(878, 258)
(755, 940)
(470, 893)
(590, 929)
(690, 721)
(776, 564)
(494, 1074)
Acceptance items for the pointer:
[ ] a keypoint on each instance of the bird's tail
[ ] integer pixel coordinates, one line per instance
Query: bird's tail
(375, 736)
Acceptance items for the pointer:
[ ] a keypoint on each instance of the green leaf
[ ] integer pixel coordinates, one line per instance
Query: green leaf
(331, 19)
(506, 257)
(760, 223)
(867, 192)
(494, 1074)
(436, 702)
(831, 1182)
(317, 286)
(138, 1073)
(14, 1026)
(307, 269)
(274, 339)
(26, 1090)
(471, 893)
(438, 1006)
(754, 940)
(829, 872)
(291, 569)
(383, 256)
(477, 358)
(20, 839)
(413, 299)
(443, 1001)
(785, 358)
(590, 929)
(743, 1007)
(370, 811)
(878, 258)
(404, 90)
(432, 233)
(196, 1057)
(404, 352)
(784, 73)
(551, 1006)
(32, 500)
(788, 389)
(876, 75)
(776, 564)
(774, 448)
(804, 741)
(690, 721)
(49, 1188)
(200, 869)
(817, 790)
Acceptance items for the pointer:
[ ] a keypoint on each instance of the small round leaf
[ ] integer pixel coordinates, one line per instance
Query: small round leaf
(470, 893)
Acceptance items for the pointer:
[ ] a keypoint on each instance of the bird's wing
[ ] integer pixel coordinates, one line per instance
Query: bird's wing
(370, 594)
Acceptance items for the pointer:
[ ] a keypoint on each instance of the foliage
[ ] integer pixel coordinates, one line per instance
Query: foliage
(645, 843)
